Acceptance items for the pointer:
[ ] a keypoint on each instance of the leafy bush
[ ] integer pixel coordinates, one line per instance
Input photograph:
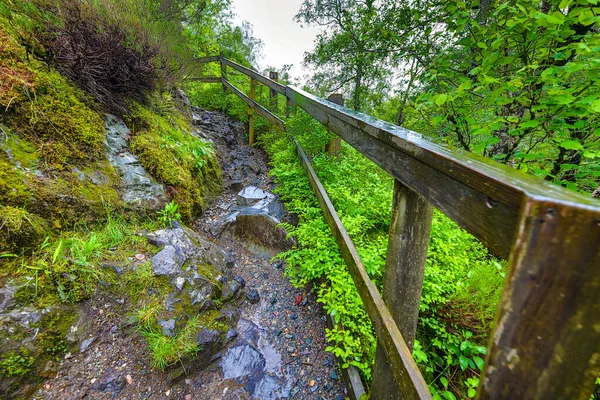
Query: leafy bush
(461, 277)
(167, 215)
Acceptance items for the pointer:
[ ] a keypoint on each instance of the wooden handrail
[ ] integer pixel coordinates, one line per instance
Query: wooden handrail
(279, 88)
(262, 111)
(547, 337)
(404, 368)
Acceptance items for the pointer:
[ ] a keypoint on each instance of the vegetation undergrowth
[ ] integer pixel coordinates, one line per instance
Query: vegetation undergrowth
(68, 268)
(185, 163)
(449, 347)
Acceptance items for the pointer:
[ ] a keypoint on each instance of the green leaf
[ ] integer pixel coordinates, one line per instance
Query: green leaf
(532, 123)
(478, 362)
(448, 395)
(464, 345)
(444, 382)
(441, 99)
(463, 362)
(571, 145)
(596, 106)
(556, 18)
(471, 393)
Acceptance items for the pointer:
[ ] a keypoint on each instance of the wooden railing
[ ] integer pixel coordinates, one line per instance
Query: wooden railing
(546, 340)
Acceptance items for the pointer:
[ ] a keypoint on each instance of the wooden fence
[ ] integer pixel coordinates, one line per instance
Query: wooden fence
(546, 341)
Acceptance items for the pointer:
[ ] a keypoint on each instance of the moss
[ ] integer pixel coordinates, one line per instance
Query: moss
(211, 320)
(55, 327)
(44, 107)
(16, 363)
(22, 152)
(183, 162)
(13, 190)
(66, 200)
(20, 229)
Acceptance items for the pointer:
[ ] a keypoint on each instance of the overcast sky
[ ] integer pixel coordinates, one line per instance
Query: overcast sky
(273, 22)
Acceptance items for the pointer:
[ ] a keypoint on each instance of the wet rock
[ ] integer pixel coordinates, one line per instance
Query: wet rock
(242, 360)
(7, 298)
(168, 261)
(193, 245)
(241, 281)
(333, 375)
(253, 296)
(250, 195)
(86, 344)
(231, 334)
(168, 327)
(138, 188)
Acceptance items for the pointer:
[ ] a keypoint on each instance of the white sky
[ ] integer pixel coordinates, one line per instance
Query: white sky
(284, 40)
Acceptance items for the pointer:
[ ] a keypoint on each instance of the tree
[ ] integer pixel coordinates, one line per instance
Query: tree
(362, 43)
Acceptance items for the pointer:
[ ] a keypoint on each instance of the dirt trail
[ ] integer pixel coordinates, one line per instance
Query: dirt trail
(278, 348)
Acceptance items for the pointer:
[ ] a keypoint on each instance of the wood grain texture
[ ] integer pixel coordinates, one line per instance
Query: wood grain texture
(403, 278)
(334, 145)
(481, 195)
(273, 104)
(405, 371)
(279, 88)
(252, 95)
(546, 344)
(260, 110)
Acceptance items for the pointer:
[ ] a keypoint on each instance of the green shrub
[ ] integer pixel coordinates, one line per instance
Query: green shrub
(462, 280)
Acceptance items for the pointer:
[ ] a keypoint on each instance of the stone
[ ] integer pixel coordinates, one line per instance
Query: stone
(231, 334)
(138, 188)
(250, 195)
(7, 297)
(86, 344)
(168, 327)
(179, 282)
(168, 261)
(193, 245)
(235, 287)
(241, 280)
(253, 296)
(333, 375)
(209, 339)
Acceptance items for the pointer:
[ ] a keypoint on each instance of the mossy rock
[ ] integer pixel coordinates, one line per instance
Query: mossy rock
(20, 229)
(44, 107)
(66, 200)
(13, 190)
(32, 351)
(186, 164)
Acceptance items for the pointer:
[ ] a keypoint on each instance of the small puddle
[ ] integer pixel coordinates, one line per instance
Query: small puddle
(255, 362)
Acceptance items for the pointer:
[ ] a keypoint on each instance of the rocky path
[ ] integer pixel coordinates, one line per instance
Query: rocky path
(276, 349)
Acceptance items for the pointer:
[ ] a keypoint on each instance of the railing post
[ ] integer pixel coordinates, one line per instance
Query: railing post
(403, 280)
(223, 70)
(251, 113)
(274, 76)
(333, 147)
(546, 344)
